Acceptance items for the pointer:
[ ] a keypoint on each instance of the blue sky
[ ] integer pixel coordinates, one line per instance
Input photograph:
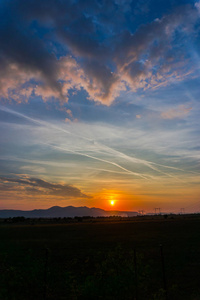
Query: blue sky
(100, 102)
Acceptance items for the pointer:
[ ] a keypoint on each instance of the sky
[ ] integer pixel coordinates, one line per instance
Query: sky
(100, 102)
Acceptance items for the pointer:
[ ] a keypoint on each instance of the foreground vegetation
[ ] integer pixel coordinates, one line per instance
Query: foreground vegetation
(102, 258)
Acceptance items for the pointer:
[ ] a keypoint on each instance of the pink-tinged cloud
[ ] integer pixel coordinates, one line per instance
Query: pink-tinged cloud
(179, 112)
(141, 60)
(69, 113)
(67, 120)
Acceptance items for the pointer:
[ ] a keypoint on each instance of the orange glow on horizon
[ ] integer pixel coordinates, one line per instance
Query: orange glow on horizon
(118, 200)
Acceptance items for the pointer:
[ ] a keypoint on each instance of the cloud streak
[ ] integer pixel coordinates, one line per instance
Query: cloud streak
(174, 113)
(99, 148)
(39, 186)
(97, 158)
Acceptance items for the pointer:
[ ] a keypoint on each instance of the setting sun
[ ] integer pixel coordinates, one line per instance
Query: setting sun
(112, 202)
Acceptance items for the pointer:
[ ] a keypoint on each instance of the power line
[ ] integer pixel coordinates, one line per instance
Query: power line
(157, 211)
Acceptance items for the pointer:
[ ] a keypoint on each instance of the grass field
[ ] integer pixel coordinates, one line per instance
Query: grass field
(96, 259)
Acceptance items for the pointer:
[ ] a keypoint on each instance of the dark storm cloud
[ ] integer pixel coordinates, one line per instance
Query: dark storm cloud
(36, 185)
(21, 46)
(50, 47)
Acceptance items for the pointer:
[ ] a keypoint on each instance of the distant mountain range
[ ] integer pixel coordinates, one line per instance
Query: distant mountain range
(68, 211)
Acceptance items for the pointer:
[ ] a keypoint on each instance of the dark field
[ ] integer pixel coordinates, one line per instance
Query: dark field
(95, 259)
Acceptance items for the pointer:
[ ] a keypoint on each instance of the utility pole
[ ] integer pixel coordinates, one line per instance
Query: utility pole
(182, 211)
(157, 210)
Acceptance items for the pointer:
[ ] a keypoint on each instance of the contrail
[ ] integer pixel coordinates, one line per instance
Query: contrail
(138, 160)
(96, 158)
(36, 121)
(118, 172)
(100, 146)
(61, 164)
(106, 170)
(147, 163)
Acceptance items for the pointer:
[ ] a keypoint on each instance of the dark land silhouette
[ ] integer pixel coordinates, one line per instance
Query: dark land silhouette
(137, 258)
(61, 212)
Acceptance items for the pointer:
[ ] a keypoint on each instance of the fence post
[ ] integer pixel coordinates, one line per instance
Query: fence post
(136, 277)
(45, 272)
(163, 270)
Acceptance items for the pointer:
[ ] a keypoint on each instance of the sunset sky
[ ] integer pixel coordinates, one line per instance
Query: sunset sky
(100, 102)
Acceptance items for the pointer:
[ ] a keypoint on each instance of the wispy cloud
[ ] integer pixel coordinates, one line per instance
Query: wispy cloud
(92, 149)
(174, 113)
(97, 158)
(39, 186)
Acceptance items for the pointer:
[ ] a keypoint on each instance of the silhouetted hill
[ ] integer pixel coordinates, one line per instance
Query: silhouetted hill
(69, 211)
